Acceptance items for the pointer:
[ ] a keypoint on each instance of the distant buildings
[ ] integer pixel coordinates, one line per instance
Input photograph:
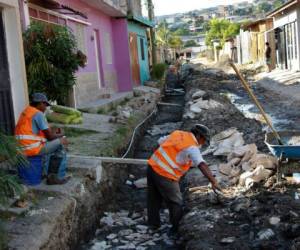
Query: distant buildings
(280, 28)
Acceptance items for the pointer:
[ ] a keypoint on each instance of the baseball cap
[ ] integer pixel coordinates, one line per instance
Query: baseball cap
(40, 97)
(200, 129)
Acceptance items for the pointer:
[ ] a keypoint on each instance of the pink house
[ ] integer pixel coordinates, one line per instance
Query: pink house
(100, 27)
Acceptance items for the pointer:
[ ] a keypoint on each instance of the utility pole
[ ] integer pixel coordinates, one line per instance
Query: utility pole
(152, 30)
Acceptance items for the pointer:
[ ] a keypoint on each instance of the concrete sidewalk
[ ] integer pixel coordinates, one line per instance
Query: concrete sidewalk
(59, 216)
(283, 82)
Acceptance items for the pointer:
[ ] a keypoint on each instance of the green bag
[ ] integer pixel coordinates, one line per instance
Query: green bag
(66, 110)
(60, 118)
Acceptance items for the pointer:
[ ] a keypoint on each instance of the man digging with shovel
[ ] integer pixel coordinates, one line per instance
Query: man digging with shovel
(176, 154)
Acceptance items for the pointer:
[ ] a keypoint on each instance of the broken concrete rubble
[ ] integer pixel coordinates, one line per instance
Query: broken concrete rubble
(201, 104)
(138, 236)
(141, 183)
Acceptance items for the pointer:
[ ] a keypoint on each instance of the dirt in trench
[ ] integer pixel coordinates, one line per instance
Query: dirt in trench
(264, 217)
(126, 226)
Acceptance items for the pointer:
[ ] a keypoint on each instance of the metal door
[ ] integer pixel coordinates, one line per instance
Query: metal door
(135, 66)
(6, 106)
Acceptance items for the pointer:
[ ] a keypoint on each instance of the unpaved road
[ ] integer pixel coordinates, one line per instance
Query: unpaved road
(240, 220)
(264, 217)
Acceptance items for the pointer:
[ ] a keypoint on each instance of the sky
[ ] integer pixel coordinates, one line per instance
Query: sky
(165, 7)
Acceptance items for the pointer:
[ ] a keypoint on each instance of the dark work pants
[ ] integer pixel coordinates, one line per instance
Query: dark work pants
(163, 189)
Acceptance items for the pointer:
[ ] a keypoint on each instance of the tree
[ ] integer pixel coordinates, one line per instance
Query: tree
(199, 23)
(264, 7)
(163, 34)
(191, 43)
(278, 3)
(52, 58)
(182, 32)
(221, 29)
(175, 42)
(206, 26)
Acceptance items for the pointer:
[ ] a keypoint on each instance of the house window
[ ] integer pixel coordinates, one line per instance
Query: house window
(79, 33)
(142, 48)
(33, 13)
(107, 48)
(53, 19)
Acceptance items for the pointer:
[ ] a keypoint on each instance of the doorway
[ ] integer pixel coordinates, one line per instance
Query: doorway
(7, 121)
(135, 66)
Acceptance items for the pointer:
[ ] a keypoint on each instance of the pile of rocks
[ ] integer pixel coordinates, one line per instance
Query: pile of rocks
(200, 101)
(125, 230)
(245, 165)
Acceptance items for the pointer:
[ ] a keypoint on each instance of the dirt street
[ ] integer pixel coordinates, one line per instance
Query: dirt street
(263, 215)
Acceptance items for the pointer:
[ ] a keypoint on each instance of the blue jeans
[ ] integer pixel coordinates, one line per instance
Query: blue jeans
(54, 150)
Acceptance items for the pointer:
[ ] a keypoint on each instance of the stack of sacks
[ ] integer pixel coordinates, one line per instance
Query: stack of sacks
(244, 164)
(64, 115)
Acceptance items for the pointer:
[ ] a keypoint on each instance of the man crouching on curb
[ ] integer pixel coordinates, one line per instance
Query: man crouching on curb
(36, 138)
(176, 154)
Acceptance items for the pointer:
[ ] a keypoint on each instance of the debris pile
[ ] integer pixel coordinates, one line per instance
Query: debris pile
(128, 230)
(253, 212)
(245, 165)
(199, 103)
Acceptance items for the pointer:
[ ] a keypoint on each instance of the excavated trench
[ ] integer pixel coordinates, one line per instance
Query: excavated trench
(125, 225)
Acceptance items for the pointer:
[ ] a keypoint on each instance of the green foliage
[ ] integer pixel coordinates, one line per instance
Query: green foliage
(163, 34)
(9, 151)
(158, 71)
(191, 43)
(3, 238)
(52, 59)
(121, 136)
(264, 7)
(166, 38)
(278, 3)
(221, 30)
(9, 186)
(10, 154)
(175, 42)
(182, 32)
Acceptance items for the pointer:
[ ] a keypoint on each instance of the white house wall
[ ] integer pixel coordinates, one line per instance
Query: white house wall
(15, 55)
(286, 18)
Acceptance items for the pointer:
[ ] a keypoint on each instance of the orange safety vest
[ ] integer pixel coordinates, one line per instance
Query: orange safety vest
(163, 161)
(30, 143)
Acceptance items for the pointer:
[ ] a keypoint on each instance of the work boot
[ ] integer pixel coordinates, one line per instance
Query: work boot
(53, 180)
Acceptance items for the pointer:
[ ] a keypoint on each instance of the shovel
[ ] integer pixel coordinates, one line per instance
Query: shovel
(246, 86)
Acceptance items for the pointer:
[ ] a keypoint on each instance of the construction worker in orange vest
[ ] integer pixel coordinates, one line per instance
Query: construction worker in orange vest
(176, 154)
(36, 138)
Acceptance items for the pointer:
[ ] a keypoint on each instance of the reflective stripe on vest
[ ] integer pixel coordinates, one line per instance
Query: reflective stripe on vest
(168, 159)
(163, 165)
(31, 146)
(30, 142)
(30, 137)
(163, 161)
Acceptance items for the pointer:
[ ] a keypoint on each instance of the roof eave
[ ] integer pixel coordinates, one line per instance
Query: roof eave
(141, 20)
(282, 7)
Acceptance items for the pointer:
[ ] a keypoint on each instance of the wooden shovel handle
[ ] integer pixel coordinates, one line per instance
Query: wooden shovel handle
(248, 89)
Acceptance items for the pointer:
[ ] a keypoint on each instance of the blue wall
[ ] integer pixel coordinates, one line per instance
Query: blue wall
(141, 37)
